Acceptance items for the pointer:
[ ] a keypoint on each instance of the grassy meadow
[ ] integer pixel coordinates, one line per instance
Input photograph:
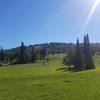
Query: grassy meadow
(47, 82)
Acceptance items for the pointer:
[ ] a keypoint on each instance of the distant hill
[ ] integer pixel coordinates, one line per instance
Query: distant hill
(55, 47)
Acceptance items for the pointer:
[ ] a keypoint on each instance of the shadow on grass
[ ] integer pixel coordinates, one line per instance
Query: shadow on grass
(70, 69)
(73, 70)
(63, 68)
(38, 85)
(67, 69)
(67, 81)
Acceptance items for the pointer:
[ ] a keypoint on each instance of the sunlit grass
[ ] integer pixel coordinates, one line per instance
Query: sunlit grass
(46, 82)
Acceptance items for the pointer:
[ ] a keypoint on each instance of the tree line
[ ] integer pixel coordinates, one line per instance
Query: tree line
(81, 57)
(23, 55)
(30, 54)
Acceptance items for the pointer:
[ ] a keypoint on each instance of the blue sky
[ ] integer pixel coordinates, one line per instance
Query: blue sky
(41, 21)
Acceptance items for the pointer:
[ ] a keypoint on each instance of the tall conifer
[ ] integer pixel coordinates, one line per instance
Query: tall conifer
(88, 60)
(78, 57)
(22, 56)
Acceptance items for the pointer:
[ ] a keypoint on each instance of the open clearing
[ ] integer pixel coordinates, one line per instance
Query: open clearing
(47, 82)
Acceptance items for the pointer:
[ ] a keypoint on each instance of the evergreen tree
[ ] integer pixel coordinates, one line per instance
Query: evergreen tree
(77, 57)
(33, 55)
(88, 61)
(2, 56)
(43, 54)
(37, 53)
(69, 59)
(22, 56)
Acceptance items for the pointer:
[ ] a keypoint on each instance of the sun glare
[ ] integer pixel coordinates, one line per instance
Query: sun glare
(96, 2)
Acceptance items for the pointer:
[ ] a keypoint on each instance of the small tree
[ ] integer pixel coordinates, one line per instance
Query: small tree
(2, 56)
(33, 55)
(69, 58)
(43, 54)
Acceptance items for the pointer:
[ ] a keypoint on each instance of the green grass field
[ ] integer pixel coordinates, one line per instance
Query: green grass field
(46, 82)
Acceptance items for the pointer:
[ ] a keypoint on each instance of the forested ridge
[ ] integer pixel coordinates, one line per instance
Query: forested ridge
(33, 51)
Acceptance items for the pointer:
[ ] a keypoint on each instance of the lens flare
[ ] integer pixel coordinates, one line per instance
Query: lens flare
(90, 14)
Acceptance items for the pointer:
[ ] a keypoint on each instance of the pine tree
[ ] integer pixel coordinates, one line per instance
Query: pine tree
(43, 54)
(22, 56)
(33, 55)
(78, 57)
(2, 56)
(69, 58)
(88, 60)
